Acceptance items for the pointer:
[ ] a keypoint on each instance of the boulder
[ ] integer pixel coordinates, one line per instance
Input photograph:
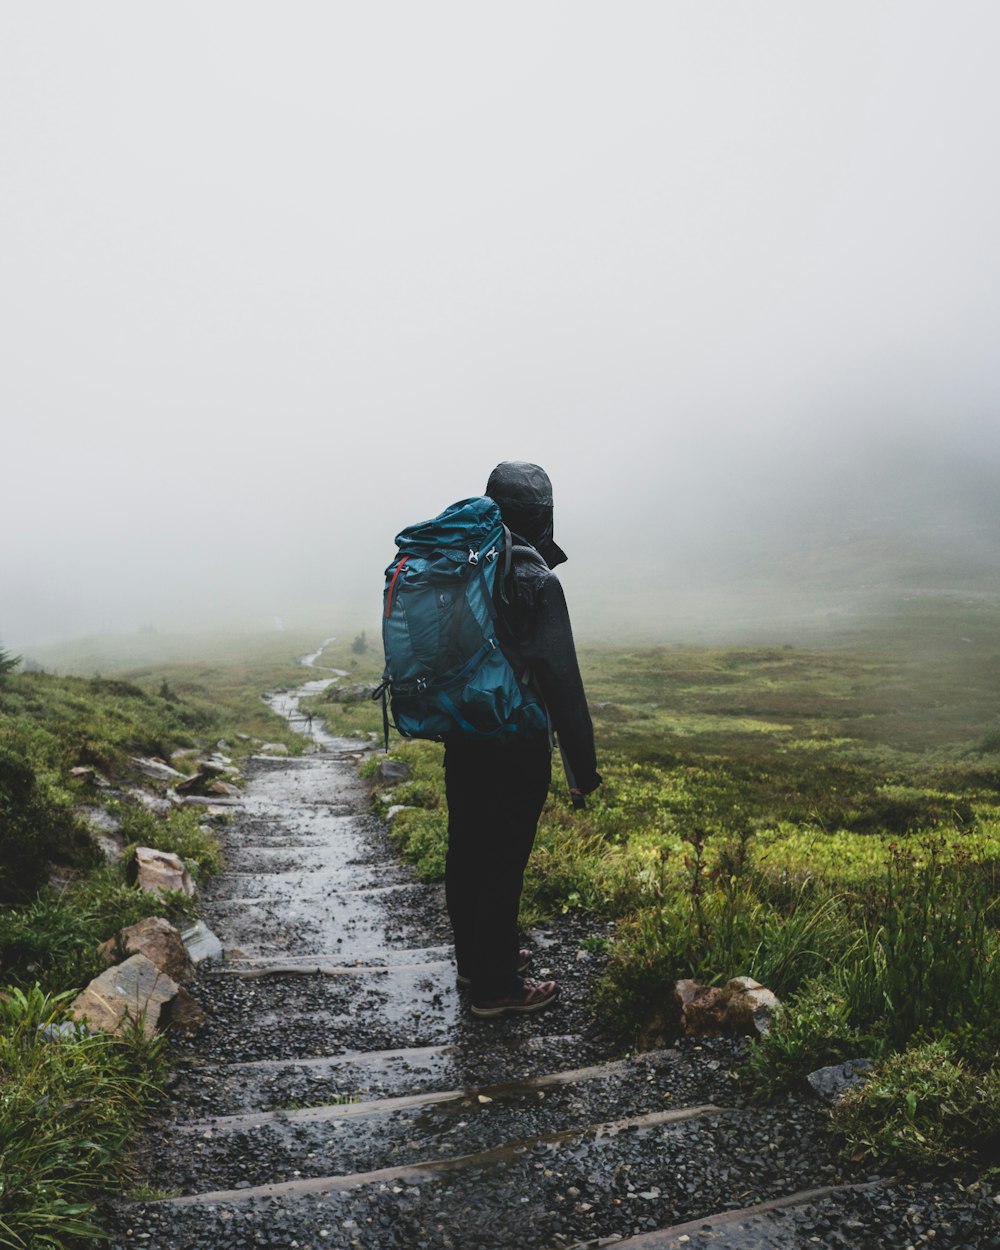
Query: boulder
(743, 1005)
(223, 788)
(832, 1083)
(155, 871)
(135, 992)
(158, 940)
(389, 772)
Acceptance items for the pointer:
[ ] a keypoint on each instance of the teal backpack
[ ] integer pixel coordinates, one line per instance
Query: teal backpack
(445, 674)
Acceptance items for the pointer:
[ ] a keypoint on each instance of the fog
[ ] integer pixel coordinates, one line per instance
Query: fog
(278, 280)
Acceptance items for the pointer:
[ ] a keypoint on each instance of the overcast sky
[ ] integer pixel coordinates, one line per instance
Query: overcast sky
(278, 279)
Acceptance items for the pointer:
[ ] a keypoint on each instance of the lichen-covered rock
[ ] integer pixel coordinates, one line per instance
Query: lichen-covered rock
(132, 992)
(155, 871)
(159, 941)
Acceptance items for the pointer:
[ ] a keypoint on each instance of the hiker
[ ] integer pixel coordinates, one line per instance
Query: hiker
(496, 789)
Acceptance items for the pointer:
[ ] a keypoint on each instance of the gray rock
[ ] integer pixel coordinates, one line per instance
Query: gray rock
(389, 772)
(111, 850)
(273, 748)
(201, 943)
(151, 802)
(57, 1032)
(155, 769)
(832, 1083)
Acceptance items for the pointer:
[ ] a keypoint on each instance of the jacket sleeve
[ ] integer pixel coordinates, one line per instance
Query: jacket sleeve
(551, 655)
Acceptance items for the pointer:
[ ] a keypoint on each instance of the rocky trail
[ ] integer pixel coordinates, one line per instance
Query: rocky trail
(340, 1096)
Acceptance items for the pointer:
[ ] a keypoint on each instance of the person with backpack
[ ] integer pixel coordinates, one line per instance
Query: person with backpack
(496, 789)
(480, 655)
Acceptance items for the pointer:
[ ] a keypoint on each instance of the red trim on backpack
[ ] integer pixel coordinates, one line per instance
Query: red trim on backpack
(388, 598)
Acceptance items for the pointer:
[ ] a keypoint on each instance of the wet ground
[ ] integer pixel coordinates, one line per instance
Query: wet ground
(341, 1095)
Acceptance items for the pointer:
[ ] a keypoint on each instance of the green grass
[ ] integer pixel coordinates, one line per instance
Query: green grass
(67, 1109)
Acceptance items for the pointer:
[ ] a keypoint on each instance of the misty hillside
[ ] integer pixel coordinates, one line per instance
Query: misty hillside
(813, 552)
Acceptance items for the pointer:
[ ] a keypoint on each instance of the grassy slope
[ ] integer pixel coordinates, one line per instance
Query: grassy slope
(66, 1109)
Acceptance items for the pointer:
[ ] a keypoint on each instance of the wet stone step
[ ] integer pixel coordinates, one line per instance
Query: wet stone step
(356, 926)
(368, 1135)
(310, 891)
(291, 1016)
(281, 867)
(533, 1195)
(200, 1089)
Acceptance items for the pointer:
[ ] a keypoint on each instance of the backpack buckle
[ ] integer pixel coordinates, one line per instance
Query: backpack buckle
(473, 556)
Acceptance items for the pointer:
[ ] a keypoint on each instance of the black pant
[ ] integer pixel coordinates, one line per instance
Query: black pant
(495, 796)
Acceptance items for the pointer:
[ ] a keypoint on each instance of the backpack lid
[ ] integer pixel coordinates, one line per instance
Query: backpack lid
(468, 525)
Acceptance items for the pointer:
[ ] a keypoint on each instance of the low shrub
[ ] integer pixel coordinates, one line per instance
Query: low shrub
(926, 1108)
(422, 836)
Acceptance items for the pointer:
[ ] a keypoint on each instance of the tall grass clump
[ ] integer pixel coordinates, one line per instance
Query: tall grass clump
(67, 1107)
(926, 958)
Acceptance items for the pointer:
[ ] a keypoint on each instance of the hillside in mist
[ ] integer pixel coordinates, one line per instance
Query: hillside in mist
(807, 553)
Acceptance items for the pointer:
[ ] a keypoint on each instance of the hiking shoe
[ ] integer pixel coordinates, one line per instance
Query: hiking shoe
(523, 964)
(532, 996)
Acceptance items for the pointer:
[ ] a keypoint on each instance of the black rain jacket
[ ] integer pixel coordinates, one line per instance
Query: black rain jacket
(533, 619)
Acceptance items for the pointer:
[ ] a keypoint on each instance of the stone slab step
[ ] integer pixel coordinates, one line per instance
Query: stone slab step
(269, 1084)
(508, 1091)
(423, 1170)
(762, 1226)
(304, 891)
(622, 1178)
(429, 958)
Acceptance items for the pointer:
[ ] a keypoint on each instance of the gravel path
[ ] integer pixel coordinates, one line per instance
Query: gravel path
(340, 1095)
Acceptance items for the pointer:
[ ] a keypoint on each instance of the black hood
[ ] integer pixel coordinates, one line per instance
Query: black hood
(524, 494)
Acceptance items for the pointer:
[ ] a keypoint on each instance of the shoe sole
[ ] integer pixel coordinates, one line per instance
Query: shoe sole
(512, 1009)
(463, 983)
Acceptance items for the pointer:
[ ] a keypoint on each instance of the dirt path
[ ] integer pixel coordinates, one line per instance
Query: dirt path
(340, 1096)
